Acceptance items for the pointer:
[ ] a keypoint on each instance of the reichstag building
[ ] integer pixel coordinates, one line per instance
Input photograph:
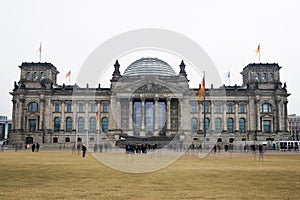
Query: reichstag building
(149, 100)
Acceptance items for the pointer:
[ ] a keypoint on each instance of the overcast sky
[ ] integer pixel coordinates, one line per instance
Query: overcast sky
(229, 31)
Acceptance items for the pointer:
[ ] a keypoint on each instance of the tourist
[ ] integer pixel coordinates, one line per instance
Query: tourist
(33, 147)
(37, 147)
(83, 150)
(261, 152)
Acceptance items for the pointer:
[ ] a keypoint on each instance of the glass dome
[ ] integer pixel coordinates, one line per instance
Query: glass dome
(149, 66)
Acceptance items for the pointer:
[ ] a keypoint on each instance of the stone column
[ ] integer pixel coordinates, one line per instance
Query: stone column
(6, 130)
(98, 107)
(200, 117)
(236, 116)
(86, 116)
(62, 119)
(258, 127)
(212, 120)
(130, 123)
(285, 120)
(143, 117)
(22, 116)
(224, 123)
(168, 113)
(42, 103)
(181, 120)
(156, 114)
(74, 116)
(251, 113)
(14, 121)
(118, 111)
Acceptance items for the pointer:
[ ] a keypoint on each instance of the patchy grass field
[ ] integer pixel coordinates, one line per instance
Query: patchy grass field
(61, 175)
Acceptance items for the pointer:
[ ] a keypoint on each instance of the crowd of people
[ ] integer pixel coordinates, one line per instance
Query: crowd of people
(139, 148)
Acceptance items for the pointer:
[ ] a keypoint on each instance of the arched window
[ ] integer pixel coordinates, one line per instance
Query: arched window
(207, 123)
(42, 75)
(263, 76)
(218, 125)
(80, 124)
(35, 75)
(33, 107)
(229, 125)
(69, 124)
(28, 75)
(194, 125)
(266, 107)
(56, 124)
(257, 76)
(270, 77)
(104, 123)
(93, 124)
(242, 125)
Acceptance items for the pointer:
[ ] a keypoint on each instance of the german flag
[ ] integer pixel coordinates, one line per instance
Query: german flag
(258, 49)
(202, 90)
(68, 75)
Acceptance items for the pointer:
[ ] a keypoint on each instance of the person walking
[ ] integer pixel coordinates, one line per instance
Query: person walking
(33, 147)
(83, 150)
(37, 147)
(261, 152)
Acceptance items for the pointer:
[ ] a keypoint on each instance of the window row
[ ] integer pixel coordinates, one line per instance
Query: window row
(218, 125)
(264, 76)
(80, 107)
(34, 107)
(218, 108)
(35, 75)
(80, 124)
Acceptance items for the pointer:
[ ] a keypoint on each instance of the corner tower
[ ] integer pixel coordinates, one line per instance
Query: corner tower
(261, 75)
(37, 75)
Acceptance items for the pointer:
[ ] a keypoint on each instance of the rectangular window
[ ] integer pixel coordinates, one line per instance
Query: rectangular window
(92, 107)
(55, 140)
(206, 108)
(230, 108)
(56, 107)
(105, 108)
(32, 125)
(242, 108)
(68, 107)
(2, 130)
(194, 109)
(80, 107)
(267, 126)
(217, 108)
(137, 114)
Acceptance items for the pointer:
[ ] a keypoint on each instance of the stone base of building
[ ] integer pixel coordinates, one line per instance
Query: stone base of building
(21, 137)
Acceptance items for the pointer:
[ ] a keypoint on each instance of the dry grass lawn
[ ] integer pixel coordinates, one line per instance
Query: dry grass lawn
(61, 175)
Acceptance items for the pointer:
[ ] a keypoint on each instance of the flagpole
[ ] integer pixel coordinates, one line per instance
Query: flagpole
(204, 113)
(228, 77)
(40, 52)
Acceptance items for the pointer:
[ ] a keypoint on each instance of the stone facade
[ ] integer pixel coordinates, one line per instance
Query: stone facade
(146, 101)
